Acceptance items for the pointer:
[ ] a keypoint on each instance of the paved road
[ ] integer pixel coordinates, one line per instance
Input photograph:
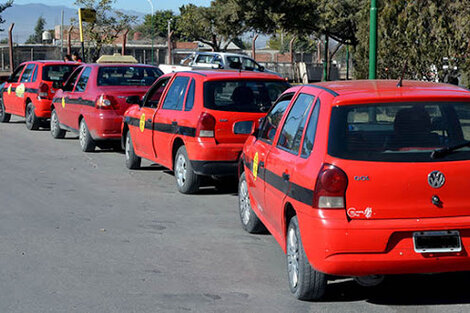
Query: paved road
(81, 233)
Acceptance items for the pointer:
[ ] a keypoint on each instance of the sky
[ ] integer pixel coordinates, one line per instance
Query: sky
(136, 5)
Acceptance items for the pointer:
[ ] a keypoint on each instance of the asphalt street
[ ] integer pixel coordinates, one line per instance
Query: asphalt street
(81, 233)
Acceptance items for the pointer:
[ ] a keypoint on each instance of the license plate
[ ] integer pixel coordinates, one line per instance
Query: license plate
(437, 241)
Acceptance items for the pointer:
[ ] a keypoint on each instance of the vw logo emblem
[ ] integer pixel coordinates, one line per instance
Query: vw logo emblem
(436, 179)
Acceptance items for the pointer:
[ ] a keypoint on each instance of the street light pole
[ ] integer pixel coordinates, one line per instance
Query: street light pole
(373, 40)
(152, 30)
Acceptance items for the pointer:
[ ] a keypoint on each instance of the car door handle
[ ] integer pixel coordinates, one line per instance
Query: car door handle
(149, 120)
(174, 123)
(285, 176)
(261, 164)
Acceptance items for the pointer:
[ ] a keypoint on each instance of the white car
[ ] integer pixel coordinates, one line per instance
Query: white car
(216, 60)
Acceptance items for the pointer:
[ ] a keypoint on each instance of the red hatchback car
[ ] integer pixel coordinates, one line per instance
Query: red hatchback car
(94, 99)
(196, 123)
(28, 92)
(362, 179)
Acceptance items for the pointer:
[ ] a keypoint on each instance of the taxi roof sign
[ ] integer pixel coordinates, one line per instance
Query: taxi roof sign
(87, 15)
(117, 58)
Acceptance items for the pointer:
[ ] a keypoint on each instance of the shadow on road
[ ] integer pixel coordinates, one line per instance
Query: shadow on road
(405, 290)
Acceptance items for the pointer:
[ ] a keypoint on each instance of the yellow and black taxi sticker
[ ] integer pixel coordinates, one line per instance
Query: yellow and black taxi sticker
(63, 102)
(255, 166)
(9, 89)
(142, 122)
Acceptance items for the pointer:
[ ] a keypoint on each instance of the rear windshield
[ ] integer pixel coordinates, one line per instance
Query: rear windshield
(127, 75)
(57, 72)
(399, 132)
(242, 95)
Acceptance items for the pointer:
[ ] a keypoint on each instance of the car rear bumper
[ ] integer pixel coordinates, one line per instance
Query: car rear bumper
(104, 125)
(209, 158)
(42, 108)
(215, 168)
(366, 247)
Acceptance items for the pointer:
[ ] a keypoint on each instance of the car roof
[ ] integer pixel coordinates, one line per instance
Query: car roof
(119, 65)
(53, 62)
(223, 54)
(231, 74)
(367, 91)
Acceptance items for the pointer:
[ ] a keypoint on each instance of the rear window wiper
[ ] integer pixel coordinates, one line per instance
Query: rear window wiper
(439, 153)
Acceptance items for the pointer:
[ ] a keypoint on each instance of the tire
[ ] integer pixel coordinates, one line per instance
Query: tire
(250, 221)
(305, 282)
(132, 160)
(56, 131)
(187, 181)
(86, 142)
(4, 117)
(32, 121)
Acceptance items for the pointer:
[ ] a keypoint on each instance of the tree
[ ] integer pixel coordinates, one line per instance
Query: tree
(106, 29)
(301, 44)
(3, 7)
(160, 24)
(217, 25)
(38, 30)
(429, 37)
(337, 19)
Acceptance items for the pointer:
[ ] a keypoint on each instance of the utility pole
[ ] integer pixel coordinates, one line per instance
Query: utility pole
(62, 36)
(152, 26)
(373, 40)
(325, 58)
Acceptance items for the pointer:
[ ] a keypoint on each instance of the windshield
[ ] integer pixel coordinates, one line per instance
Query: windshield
(399, 132)
(57, 72)
(242, 95)
(127, 75)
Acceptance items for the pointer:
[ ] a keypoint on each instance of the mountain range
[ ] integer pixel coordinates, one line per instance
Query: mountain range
(25, 18)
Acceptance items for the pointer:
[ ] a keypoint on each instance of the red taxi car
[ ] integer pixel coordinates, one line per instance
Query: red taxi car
(28, 92)
(196, 123)
(362, 179)
(94, 99)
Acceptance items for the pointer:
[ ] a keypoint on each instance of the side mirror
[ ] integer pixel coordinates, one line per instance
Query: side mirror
(261, 68)
(220, 66)
(134, 100)
(257, 131)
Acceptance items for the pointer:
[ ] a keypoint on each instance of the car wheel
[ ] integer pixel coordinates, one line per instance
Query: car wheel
(132, 160)
(305, 282)
(86, 142)
(56, 131)
(32, 121)
(250, 221)
(186, 180)
(4, 117)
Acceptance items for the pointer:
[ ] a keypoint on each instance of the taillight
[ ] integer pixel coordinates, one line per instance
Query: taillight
(206, 125)
(105, 102)
(43, 90)
(330, 189)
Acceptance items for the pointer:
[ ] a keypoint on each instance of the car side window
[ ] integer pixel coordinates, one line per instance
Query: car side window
(218, 60)
(272, 120)
(190, 97)
(153, 97)
(16, 74)
(35, 75)
(72, 79)
(83, 80)
(309, 137)
(175, 97)
(28, 71)
(204, 58)
(293, 128)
